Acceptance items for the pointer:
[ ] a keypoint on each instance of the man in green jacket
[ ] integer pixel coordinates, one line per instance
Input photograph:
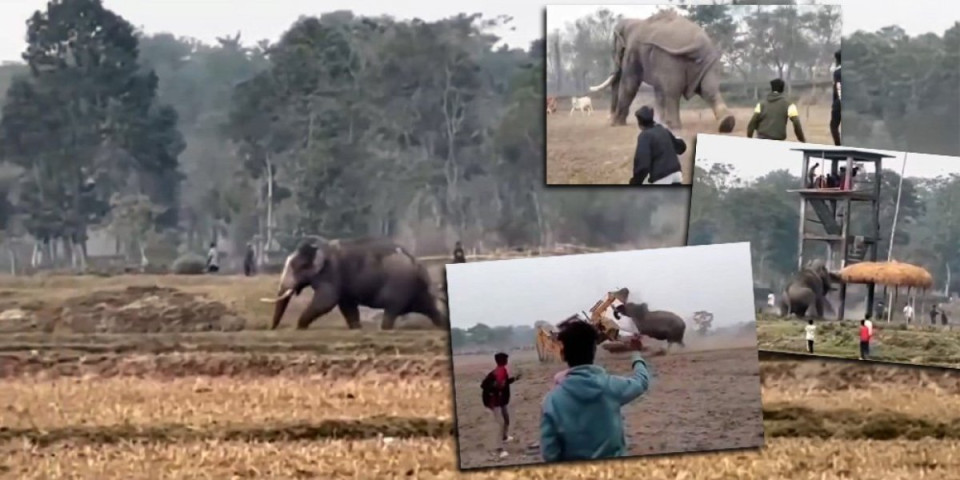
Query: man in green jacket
(770, 117)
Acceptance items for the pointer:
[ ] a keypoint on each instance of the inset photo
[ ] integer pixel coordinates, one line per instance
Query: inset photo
(604, 355)
(628, 87)
(854, 250)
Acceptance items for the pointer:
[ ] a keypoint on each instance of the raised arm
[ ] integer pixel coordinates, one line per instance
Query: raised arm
(794, 115)
(627, 389)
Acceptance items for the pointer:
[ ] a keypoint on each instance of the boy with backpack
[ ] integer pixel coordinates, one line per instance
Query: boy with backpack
(581, 417)
(496, 396)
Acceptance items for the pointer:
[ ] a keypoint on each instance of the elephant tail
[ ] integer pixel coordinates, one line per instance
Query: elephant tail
(605, 84)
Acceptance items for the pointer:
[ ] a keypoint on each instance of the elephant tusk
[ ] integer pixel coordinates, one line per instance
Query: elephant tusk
(282, 296)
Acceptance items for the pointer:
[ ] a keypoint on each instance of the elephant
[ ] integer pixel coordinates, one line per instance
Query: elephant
(373, 273)
(659, 324)
(673, 55)
(808, 289)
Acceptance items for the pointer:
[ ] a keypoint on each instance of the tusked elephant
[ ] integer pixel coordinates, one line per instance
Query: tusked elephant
(658, 324)
(807, 290)
(373, 273)
(673, 55)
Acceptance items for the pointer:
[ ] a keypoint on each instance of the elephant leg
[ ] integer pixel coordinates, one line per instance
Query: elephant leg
(660, 104)
(710, 91)
(615, 99)
(427, 306)
(630, 80)
(323, 301)
(389, 320)
(351, 313)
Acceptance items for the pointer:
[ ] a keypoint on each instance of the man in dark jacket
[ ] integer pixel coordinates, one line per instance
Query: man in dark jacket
(249, 261)
(835, 109)
(770, 117)
(656, 158)
(458, 255)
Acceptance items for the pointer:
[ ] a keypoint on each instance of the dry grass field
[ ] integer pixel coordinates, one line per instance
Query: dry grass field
(584, 149)
(331, 403)
(893, 342)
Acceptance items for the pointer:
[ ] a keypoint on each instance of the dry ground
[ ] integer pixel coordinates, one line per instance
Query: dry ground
(331, 403)
(702, 399)
(584, 149)
(893, 342)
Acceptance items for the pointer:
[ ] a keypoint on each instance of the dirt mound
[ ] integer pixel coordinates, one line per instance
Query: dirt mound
(135, 309)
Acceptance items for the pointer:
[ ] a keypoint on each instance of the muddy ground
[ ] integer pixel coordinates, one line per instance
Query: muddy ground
(584, 149)
(704, 398)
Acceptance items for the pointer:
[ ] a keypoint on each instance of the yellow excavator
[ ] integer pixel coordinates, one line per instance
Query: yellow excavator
(549, 348)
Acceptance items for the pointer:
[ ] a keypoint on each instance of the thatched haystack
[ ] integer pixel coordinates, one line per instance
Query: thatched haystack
(891, 273)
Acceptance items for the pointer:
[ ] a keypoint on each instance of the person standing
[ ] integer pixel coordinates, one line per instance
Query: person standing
(835, 109)
(933, 314)
(458, 255)
(811, 331)
(865, 336)
(495, 389)
(581, 418)
(656, 159)
(770, 117)
(908, 313)
(213, 259)
(249, 261)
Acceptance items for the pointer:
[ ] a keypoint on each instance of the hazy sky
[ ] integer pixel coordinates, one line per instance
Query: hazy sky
(522, 291)
(752, 158)
(259, 19)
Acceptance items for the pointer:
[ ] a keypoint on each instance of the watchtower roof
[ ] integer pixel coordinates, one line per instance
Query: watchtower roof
(840, 153)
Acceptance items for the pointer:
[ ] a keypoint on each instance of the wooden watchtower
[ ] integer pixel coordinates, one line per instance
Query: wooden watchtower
(831, 207)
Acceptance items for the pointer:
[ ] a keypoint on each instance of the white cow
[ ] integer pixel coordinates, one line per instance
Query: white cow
(583, 104)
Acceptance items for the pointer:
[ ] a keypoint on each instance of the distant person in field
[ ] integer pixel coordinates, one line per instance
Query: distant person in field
(770, 117)
(811, 333)
(213, 258)
(496, 397)
(249, 261)
(656, 159)
(865, 336)
(835, 109)
(933, 314)
(581, 417)
(908, 313)
(458, 255)
(943, 317)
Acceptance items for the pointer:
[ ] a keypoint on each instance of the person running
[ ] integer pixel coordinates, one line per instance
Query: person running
(835, 109)
(656, 157)
(496, 397)
(581, 418)
(865, 336)
(770, 118)
(811, 331)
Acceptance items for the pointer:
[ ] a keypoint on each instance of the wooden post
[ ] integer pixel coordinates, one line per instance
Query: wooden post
(803, 210)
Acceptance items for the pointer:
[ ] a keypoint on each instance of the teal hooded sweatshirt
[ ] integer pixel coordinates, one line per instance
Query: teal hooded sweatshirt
(581, 417)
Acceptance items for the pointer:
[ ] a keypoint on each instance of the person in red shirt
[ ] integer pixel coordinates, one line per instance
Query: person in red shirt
(865, 336)
(496, 397)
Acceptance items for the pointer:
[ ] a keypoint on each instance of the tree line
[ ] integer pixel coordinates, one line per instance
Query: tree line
(347, 126)
(725, 208)
(758, 43)
(906, 90)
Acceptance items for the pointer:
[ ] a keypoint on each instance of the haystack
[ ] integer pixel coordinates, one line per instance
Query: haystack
(891, 273)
